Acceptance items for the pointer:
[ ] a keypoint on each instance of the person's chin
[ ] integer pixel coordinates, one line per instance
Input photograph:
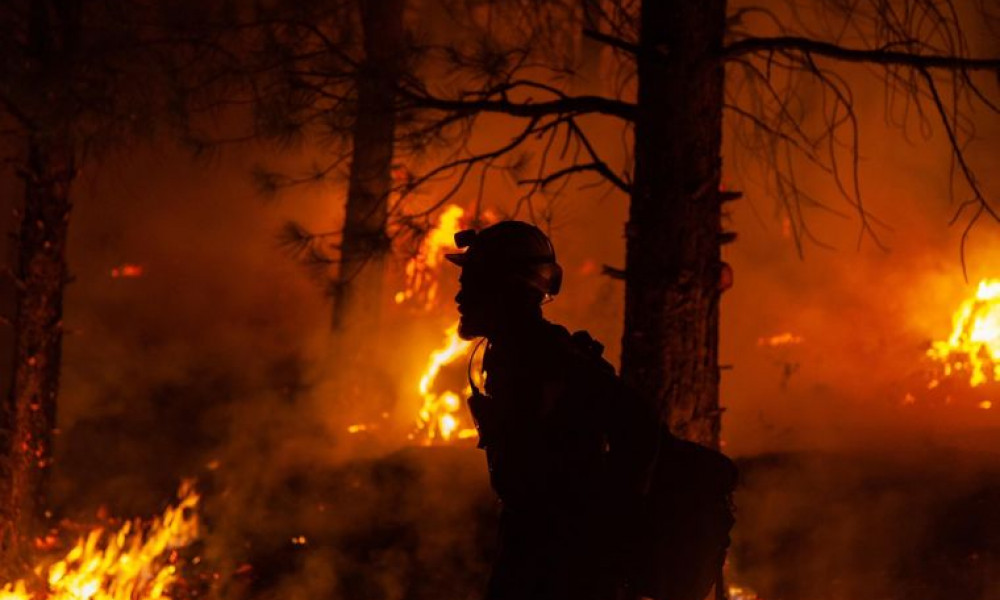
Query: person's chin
(468, 329)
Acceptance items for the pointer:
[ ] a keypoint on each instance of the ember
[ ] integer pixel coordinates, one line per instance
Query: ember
(137, 562)
(127, 271)
(781, 339)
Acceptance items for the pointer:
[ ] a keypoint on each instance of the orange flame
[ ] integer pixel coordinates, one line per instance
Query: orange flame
(440, 417)
(973, 349)
(135, 563)
(781, 339)
(422, 270)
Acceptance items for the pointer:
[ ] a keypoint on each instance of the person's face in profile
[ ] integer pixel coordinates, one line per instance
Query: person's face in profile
(477, 301)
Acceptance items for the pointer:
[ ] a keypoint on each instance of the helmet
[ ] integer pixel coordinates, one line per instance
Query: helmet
(513, 247)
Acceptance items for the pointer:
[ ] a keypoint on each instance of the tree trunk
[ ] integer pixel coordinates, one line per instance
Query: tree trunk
(29, 412)
(365, 243)
(590, 50)
(673, 260)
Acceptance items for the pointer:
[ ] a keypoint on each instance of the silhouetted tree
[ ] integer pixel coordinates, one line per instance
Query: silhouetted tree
(68, 89)
(326, 73)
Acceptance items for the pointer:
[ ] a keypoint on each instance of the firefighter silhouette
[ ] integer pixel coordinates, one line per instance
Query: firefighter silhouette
(573, 456)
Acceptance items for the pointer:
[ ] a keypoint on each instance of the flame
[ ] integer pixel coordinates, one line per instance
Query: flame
(781, 339)
(422, 270)
(742, 593)
(138, 562)
(440, 417)
(974, 345)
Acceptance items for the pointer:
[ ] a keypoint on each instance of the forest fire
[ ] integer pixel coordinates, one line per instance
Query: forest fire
(439, 418)
(136, 562)
(972, 351)
(310, 344)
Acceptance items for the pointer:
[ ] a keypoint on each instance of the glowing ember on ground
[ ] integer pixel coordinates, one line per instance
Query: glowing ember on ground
(973, 349)
(137, 562)
(781, 339)
(422, 270)
(440, 417)
(127, 271)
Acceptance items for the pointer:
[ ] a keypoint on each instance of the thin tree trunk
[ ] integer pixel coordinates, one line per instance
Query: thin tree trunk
(590, 50)
(365, 243)
(29, 412)
(673, 261)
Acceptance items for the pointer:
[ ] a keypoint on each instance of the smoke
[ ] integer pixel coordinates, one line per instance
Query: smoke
(215, 363)
(917, 522)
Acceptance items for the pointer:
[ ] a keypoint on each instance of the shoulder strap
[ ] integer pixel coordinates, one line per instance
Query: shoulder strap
(468, 371)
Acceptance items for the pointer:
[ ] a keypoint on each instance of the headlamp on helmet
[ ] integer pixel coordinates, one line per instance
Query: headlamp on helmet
(515, 248)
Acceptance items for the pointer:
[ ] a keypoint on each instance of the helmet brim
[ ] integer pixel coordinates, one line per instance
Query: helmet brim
(458, 258)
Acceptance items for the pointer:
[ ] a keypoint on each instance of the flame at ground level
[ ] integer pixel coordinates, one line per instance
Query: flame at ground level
(973, 349)
(137, 562)
(440, 417)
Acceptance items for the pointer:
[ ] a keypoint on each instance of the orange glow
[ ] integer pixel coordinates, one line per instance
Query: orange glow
(741, 593)
(973, 349)
(126, 271)
(422, 270)
(138, 562)
(440, 418)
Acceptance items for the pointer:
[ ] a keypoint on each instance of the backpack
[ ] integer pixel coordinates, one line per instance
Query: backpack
(681, 532)
(686, 517)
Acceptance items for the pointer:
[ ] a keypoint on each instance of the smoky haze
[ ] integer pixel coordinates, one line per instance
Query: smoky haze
(214, 363)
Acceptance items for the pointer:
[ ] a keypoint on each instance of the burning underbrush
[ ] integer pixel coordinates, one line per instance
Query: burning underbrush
(965, 367)
(134, 560)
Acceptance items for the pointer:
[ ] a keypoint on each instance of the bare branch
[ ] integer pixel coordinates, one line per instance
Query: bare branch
(614, 42)
(526, 109)
(882, 56)
(599, 168)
